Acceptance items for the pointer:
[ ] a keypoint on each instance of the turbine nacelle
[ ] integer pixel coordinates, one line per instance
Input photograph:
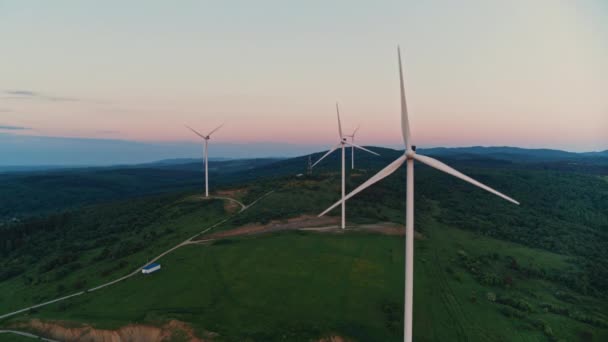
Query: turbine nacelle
(206, 137)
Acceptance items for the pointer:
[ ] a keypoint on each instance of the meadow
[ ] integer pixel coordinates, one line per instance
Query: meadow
(300, 286)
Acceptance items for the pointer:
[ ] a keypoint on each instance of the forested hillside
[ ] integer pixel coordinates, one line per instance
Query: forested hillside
(27, 194)
(537, 269)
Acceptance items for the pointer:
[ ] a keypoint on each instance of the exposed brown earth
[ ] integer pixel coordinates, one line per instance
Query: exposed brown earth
(69, 332)
(308, 223)
(235, 193)
(274, 226)
(130, 333)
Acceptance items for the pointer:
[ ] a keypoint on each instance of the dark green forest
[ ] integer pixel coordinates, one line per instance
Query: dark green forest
(26, 194)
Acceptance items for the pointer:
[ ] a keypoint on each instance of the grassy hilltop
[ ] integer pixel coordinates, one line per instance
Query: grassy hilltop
(484, 270)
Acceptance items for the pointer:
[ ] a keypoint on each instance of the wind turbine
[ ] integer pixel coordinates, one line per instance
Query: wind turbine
(352, 149)
(205, 156)
(408, 157)
(342, 144)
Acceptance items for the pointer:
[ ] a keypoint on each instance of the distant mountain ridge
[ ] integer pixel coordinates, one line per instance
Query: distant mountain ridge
(498, 153)
(515, 154)
(183, 163)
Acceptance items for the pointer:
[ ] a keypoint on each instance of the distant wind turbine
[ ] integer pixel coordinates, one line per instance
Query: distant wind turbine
(205, 155)
(342, 144)
(352, 148)
(409, 156)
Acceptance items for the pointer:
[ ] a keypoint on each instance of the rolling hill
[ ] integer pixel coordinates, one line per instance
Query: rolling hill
(485, 270)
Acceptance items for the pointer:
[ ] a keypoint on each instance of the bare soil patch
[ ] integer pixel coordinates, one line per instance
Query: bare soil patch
(234, 193)
(308, 223)
(67, 331)
(274, 226)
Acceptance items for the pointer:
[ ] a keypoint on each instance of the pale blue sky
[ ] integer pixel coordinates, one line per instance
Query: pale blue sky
(521, 73)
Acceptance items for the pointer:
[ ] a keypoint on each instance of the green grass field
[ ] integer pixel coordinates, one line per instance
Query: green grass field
(294, 285)
(297, 287)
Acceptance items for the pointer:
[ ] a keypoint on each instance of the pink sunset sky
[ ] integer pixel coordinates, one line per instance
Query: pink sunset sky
(517, 73)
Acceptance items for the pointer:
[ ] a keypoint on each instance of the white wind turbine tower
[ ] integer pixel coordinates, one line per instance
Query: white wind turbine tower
(352, 149)
(342, 144)
(205, 156)
(409, 156)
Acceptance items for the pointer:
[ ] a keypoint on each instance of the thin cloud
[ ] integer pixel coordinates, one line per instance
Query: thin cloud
(21, 94)
(14, 128)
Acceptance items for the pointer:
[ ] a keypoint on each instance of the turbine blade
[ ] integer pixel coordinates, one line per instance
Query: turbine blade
(355, 131)
(392, 167)
(361, 148)
(405, 123)
(447, 169)
(325, 155)
(339, 123)
(195, 132)
(218, 127)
